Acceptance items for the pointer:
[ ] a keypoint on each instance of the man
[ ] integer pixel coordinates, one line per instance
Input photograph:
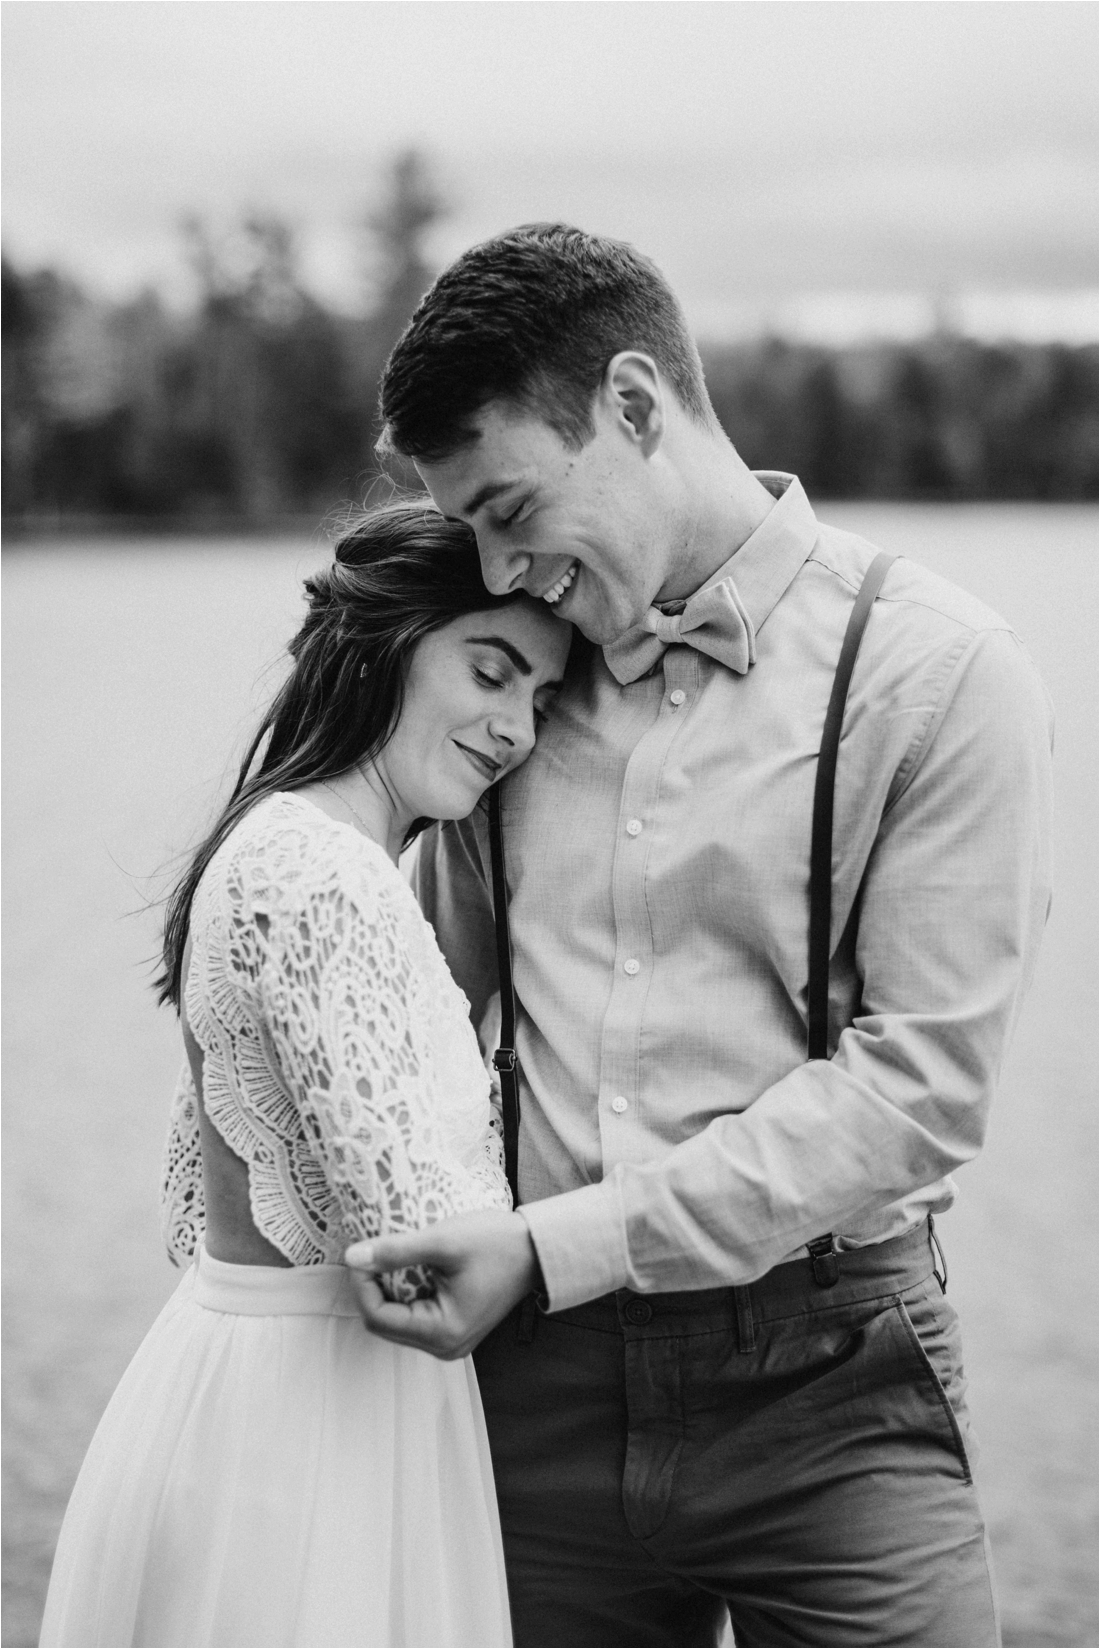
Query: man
(699, 1416)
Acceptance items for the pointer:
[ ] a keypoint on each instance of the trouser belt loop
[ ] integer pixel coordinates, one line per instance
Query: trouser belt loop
(746, 1328)
(528, 1320)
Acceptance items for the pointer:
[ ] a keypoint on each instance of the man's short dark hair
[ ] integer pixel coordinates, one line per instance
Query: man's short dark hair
(531, 318)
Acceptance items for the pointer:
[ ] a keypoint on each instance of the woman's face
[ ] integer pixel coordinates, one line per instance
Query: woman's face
(474, 694)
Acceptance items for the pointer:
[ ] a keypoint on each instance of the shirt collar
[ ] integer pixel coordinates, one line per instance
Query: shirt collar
(767, 562)
(756, 575)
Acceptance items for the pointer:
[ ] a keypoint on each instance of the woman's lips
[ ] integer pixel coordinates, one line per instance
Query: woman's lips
(485, 765)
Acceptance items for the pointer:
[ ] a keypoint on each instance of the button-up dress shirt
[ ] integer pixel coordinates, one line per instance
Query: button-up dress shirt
(673, 1133)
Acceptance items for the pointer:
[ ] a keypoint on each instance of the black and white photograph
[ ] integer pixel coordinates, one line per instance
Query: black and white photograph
(550, 854)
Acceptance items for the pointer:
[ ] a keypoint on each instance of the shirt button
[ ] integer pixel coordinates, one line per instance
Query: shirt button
(634, 827)
(619, 1104)
(677, 697)
(631, 967)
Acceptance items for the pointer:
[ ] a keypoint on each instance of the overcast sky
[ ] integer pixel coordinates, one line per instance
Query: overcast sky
(757, 150)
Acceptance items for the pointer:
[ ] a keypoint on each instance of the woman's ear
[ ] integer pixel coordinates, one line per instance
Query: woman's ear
(634, 393)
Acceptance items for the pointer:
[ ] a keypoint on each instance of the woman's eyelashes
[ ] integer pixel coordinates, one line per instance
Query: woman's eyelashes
(497, 684)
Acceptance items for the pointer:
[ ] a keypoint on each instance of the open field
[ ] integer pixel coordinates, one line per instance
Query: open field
(133, 668)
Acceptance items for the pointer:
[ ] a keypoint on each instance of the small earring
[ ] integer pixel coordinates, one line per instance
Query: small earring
(362, 671)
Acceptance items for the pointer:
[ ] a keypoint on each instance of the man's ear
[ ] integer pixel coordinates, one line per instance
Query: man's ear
(633, 391)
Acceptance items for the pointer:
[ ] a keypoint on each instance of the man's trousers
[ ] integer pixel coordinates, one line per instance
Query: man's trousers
(796, 1453)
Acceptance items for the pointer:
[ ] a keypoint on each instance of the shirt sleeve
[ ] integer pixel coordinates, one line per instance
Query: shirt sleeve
(347, 1011)
(449, 883)
(955, 895)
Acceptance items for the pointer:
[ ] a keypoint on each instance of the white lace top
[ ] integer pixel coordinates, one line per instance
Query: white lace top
(339, 1061)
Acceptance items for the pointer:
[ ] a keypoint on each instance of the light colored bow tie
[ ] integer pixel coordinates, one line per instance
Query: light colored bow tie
(714, 621)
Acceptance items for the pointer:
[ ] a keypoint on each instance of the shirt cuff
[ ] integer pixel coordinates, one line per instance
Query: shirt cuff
(580, 1240)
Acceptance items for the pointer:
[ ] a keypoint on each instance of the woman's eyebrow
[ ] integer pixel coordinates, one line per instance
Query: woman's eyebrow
(506, 648)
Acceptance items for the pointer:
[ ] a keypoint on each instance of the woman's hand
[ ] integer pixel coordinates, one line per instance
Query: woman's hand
(483, 1265)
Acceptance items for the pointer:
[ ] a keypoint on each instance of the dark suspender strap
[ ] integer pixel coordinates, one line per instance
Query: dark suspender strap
(821, 847)
(823, 1249)
(504, 1060)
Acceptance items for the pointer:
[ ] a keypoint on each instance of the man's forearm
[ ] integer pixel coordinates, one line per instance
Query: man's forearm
(816, 1153)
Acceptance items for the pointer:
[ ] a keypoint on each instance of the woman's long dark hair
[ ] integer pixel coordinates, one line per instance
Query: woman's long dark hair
(399, 573)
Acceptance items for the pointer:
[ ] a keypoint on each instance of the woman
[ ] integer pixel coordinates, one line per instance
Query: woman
(267, 1472)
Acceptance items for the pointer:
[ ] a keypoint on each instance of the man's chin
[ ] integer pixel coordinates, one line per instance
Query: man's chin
(601, 628)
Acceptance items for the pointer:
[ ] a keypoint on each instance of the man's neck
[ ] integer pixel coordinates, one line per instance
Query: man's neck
(727, 505)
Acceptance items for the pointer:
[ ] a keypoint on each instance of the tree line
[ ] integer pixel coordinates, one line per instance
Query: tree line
(261, 402)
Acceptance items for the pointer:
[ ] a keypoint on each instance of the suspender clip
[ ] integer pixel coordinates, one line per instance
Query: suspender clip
(504, 1059)
(825, 1263)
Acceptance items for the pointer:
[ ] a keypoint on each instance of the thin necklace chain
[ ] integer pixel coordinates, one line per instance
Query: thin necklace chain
(348, 804)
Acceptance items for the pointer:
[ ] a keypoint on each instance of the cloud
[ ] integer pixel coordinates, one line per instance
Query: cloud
(751, 148)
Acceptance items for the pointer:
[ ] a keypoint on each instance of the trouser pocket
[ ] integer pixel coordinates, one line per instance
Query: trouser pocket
(893, 1374)
(934, 1327)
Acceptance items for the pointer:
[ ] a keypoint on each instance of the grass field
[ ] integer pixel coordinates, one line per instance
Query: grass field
(132, 669)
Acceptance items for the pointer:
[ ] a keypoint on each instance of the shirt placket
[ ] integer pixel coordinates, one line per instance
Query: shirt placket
(622, 1131)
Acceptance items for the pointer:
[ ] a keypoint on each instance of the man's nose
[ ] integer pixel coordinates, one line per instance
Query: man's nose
(502, 569)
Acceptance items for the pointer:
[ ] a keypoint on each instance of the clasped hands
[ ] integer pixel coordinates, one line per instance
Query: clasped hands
(482, 1264)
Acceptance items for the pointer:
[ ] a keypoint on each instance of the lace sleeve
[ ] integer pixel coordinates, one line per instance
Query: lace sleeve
(182, 1206)
(347, 1004)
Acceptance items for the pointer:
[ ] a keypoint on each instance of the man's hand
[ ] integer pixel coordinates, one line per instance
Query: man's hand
(483, 1265)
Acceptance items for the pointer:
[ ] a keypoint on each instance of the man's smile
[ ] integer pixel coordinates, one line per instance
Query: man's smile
(554, 594)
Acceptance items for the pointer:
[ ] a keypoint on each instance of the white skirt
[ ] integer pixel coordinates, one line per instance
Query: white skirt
(269, 1473)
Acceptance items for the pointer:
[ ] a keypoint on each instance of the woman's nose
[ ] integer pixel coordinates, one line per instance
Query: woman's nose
(514, 727)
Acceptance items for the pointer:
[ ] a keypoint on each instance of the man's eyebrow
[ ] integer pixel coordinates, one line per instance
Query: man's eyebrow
(506, 647)
(491, 489)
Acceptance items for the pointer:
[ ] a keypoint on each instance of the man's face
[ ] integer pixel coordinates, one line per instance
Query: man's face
(582, 531)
